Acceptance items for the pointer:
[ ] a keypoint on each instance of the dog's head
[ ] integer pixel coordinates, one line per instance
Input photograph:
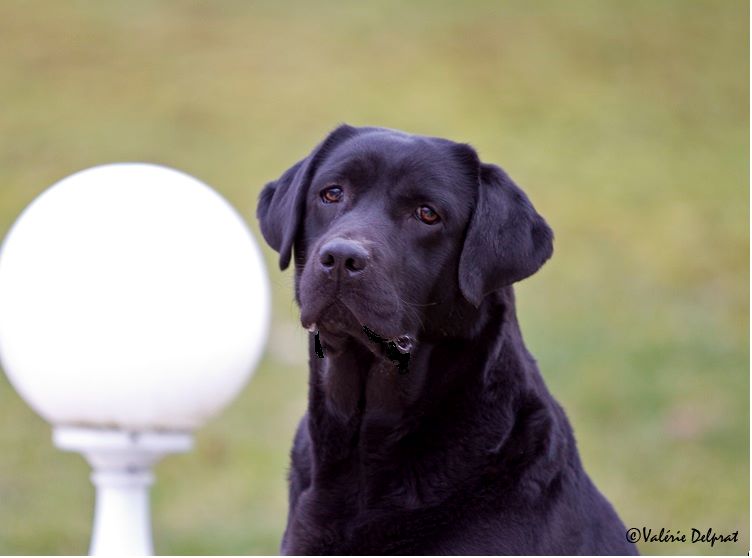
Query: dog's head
(392, 231)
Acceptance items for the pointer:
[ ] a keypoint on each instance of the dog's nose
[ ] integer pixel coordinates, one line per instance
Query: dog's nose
(343, 256)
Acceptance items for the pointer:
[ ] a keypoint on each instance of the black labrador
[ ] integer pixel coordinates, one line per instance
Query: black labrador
(429, 429)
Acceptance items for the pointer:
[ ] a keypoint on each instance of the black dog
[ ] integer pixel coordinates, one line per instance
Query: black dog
(429, 428)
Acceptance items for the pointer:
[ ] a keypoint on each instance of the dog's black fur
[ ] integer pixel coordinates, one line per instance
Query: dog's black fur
(463, 450)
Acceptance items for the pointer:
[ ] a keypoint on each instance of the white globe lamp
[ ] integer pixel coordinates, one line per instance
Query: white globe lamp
(134, 305)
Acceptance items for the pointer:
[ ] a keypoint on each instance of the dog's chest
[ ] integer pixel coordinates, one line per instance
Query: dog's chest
(320, 526)
(319, 529)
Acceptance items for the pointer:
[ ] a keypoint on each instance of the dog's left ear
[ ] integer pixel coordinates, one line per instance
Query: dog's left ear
(506, 241)
(282, 202)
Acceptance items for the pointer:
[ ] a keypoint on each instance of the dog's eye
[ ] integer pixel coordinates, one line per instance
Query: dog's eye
(332, 194)
(427, 215)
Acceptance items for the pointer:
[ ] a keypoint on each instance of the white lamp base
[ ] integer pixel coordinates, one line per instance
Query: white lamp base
(121, 462)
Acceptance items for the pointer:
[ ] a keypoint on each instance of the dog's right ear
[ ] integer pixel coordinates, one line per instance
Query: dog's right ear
(281, 204)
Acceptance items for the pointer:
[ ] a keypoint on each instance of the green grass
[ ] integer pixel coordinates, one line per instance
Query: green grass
(626, 122)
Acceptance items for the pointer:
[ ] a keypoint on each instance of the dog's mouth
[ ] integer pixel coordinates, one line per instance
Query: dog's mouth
(335, 321)
(340, 318)
(396, 349)
(338, 322)
(335, 328)
(401, 343)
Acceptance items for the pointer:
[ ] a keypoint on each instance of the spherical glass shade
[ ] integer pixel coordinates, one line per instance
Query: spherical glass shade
(131, 296)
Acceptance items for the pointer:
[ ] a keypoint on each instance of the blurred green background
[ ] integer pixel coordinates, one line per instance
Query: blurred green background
(625, 121)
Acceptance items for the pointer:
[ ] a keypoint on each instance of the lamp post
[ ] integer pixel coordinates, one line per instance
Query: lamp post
(134, 304)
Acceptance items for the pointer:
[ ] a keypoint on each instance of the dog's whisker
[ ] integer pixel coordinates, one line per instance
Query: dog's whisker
(411, 312)
(417, 304)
